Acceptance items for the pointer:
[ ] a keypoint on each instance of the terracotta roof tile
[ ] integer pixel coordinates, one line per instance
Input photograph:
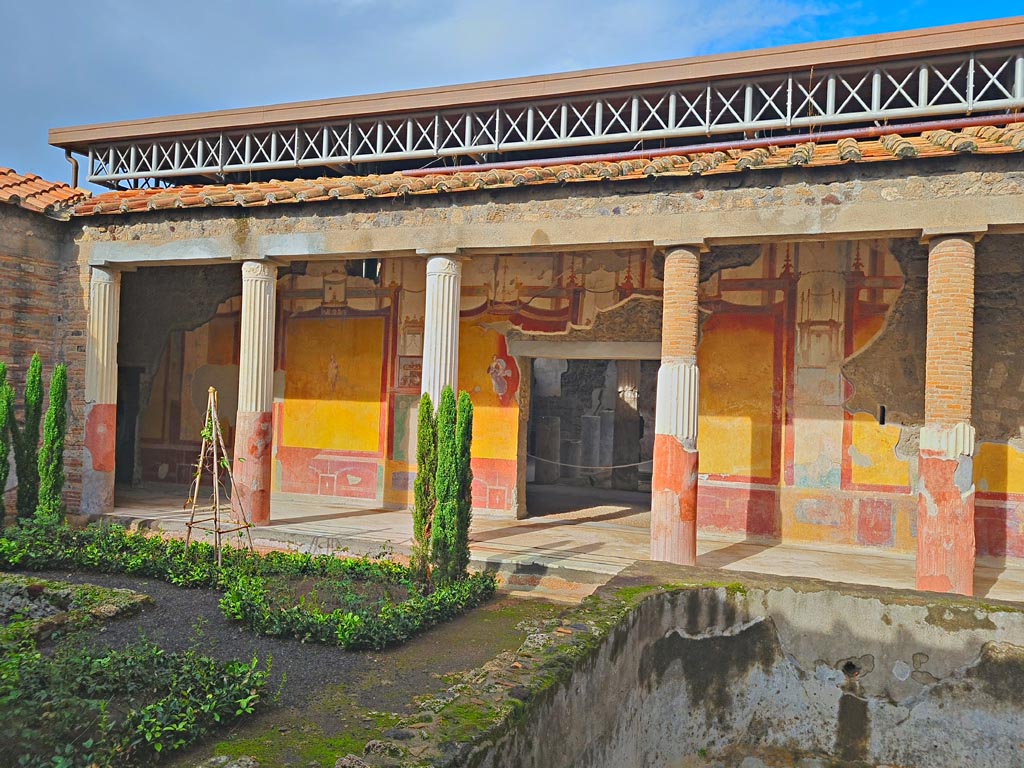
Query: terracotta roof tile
(38, 195)
(892, 147)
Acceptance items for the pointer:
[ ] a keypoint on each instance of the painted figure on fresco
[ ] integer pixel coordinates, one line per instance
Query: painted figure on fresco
(500, 374)
(333, 373)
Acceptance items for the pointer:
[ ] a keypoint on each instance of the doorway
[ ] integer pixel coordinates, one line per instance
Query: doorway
(590, 439)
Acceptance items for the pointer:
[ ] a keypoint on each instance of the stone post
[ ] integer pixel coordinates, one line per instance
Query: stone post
(254, 422)
(441, 326)
(101, 391)
(945, 512)
(674, 480)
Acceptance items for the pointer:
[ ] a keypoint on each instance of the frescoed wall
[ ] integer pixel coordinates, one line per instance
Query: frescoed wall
(789, 448)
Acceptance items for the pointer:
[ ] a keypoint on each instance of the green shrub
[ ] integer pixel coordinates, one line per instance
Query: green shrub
(6, 411)
(446, 490)
(25, 439)
(50, 509)
(423, 488)
(83, 706)
(464, 439)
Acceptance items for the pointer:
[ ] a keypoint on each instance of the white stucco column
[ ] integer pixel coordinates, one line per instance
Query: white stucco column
(441, 326)
(254, 422)
(101, 391)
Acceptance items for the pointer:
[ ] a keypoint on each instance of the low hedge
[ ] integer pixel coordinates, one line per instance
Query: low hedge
(84, 707)
(243, 576)
(246, 600)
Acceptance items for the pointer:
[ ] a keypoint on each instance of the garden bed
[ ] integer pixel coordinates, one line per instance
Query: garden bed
(351, 602)
(82, 706)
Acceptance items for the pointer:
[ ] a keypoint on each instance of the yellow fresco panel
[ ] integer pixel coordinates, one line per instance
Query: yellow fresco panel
(332, 396)
(999, 468)
(736, 359)
(495, 426)
(874, 460)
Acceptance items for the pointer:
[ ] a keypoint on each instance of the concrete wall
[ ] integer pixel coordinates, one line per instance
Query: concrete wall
(709, 674)
(42, 309)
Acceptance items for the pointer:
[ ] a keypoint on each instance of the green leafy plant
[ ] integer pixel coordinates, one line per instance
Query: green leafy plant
(443, 491)
(50, 509)
(6, 412)
(464, 470)
(446, 489)
(25, 439)
(423, 488)
(83, 706)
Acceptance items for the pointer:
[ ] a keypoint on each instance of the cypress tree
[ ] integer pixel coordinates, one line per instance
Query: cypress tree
(51, 457)
(423, 488)
(446, 492)
(464, 435)
(26, 440)
(6, 407)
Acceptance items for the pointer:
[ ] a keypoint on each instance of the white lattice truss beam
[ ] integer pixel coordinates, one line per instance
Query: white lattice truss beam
(961, 84)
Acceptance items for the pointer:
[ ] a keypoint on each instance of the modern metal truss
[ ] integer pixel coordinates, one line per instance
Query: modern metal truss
(960, 84)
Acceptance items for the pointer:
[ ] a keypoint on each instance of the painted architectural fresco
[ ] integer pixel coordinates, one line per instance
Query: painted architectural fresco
(780, 456)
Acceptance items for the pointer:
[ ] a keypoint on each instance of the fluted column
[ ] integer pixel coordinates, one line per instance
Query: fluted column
(945, 514)
(441, 326)
(254, 422)
(101, 391)
(674, 479)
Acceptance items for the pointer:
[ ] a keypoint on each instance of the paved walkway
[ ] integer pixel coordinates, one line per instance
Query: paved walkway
(580, 547)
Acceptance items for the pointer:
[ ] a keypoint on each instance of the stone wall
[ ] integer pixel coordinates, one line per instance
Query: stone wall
(703, 675)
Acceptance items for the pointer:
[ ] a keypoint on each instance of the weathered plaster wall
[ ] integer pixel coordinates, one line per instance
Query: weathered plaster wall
(701, 674)
(41, 311)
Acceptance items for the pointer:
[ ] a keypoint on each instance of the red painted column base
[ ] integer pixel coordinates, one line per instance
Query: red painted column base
(252, 466)
(98, 467)
(945, 525)
(674, 502)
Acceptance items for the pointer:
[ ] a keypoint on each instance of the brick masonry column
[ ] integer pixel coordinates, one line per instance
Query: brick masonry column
(101, 391)
(441, 326)
(254, 422)
(945, 513)
(674, 480)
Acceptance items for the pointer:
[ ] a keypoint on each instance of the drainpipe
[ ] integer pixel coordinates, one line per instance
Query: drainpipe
(74, 166)
(868, 132)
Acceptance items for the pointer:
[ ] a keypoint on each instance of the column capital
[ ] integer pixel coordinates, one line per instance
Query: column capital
(695, 246)
(104, 275)
(440, 264)
(971, 232)
(259, 269)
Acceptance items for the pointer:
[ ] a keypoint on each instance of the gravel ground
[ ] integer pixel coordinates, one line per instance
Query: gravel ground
(177, 615)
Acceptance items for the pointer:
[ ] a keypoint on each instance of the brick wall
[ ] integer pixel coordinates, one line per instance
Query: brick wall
(948, 365)
(36, 316)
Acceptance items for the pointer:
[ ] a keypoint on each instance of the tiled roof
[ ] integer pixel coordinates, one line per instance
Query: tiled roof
(36, 194)
(986, 140)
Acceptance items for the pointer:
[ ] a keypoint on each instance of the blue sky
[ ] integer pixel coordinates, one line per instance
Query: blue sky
(70, 63)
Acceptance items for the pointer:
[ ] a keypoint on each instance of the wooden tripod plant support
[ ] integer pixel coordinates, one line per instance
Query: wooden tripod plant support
(213, 457)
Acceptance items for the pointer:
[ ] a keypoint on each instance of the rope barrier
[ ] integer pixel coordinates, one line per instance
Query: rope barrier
(582, 466)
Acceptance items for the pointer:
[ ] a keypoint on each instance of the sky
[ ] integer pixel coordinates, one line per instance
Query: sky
(73, 63)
